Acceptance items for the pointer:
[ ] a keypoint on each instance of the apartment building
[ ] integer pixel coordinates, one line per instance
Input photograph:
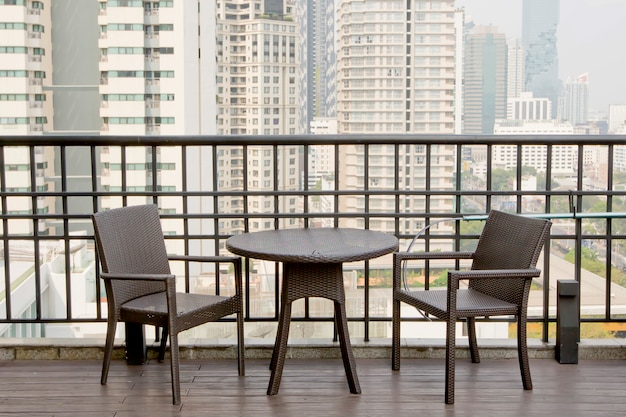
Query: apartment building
(396, 73)
(515, 69)
(25, 103)
(574, 101)
(157, 77)
(257, 94)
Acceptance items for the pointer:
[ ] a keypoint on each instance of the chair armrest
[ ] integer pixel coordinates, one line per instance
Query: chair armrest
(406, 256)
(400, 257)
(192, 258)
(136, 277)
(235, 260)
(494, 274)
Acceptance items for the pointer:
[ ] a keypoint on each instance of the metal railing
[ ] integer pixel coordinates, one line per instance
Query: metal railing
(209, 188)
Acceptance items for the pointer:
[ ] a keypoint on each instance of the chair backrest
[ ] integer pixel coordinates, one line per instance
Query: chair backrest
(130, 240)
(508, 241)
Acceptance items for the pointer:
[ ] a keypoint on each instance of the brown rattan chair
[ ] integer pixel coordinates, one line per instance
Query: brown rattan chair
(503, 266)
(141, 289)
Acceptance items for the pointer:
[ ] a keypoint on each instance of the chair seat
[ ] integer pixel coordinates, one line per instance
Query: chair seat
(470, 303)
(154, 306)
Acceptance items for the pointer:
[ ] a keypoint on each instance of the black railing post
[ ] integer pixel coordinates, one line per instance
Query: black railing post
(567, 321)
(136, 352)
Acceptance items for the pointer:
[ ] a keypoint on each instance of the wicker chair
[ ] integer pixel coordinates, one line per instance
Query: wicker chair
(503, 266)
(141, 289)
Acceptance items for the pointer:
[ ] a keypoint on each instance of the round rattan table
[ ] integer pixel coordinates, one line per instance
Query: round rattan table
(312, 267)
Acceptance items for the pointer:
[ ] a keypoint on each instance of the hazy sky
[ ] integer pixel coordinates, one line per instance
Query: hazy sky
(590, 35)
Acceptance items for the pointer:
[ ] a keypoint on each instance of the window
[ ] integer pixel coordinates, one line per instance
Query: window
(125, 51)
(13, 25)
(13, 49)
(15, 74)
(125, 3)
(121, 26)
(13, 97)
(13, 120)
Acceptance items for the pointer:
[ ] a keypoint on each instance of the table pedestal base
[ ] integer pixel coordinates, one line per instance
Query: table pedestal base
(312, 280)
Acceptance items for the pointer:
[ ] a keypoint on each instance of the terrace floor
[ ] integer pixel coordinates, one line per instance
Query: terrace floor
(311, 387)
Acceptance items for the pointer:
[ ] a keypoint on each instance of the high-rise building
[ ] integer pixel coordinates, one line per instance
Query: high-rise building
(316, 57)
(331, 58)
(26, 102)
(396, 73)
(515, 69)
(257, 93)
(485, 79)
(158, 77)
(574, 102)
(25, 67)
(540, 19)
(617, 118)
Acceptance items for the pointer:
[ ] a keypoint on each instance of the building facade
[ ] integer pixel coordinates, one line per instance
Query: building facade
(485, 78)
(258, 94)
(393, 81)
(574, 102)
(527, 107)
(540, 19)
(515, 69)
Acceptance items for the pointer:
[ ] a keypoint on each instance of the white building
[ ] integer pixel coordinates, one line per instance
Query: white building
(25, 103)
(574, 101)
(393, 81)
(527, 107)
(257, 93)
(617, 118)
(323, 161)
(515, 68)
(563, 157)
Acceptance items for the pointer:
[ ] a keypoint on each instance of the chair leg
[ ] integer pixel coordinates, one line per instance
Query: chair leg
(522, 353)
(240, 345)
(450, 360)
(471, 336)
(395, 336)
(163, 344)
(174, 366)
(108, 350)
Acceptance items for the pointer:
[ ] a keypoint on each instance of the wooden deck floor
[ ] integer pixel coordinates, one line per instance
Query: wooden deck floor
(312, 388)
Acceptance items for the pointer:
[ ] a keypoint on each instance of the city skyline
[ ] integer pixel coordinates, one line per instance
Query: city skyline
(589, 51)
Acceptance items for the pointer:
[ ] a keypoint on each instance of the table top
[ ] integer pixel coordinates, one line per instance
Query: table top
(313, 245)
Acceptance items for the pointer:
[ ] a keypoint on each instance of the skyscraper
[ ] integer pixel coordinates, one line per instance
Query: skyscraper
(157, 77)
(515, 69)
(25, 67)
(315, 28)
(396, 63)
(574, 103)
(540, 19)
(26, 103)
(257, 93)
(485, 79)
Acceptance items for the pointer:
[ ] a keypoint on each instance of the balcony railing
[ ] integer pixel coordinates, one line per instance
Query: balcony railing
(392, 183)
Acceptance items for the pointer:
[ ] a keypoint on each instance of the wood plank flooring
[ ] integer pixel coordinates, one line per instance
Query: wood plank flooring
(312, 388)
